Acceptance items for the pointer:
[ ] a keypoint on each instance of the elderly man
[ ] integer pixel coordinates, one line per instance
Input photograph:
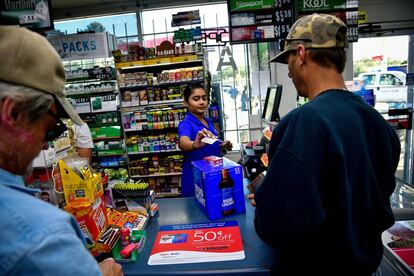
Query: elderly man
(325, 199)
(37, 238)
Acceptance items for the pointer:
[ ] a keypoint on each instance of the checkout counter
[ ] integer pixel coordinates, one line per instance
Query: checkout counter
(259, 257)
(400, 261)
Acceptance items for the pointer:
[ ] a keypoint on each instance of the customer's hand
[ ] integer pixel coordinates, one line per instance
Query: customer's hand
(252, 201)
(227, 145)
(110, 268)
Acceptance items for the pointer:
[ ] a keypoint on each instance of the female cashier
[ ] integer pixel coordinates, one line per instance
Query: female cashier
(191, 130)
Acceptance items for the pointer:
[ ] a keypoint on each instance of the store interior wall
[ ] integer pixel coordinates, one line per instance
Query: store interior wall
(63, 9)
(378, 10)
(385, 18)
(388, 17)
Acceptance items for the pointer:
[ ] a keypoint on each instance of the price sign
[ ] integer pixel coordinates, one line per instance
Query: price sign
(283, 17)
(197, 243)
(27, 19)
(202, 236)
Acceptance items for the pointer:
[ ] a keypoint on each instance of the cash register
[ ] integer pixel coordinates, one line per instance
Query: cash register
(254, 154)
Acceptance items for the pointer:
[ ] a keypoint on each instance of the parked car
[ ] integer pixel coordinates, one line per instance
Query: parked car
(388, 86)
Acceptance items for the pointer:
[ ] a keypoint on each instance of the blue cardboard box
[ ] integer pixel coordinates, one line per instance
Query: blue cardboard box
(219, 189)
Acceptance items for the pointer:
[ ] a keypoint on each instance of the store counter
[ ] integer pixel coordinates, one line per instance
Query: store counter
(258, 256)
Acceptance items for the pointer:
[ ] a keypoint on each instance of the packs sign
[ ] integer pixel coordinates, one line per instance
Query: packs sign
(81, 46)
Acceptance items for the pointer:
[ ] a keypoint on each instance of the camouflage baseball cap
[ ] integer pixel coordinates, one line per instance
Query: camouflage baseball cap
(314, 31)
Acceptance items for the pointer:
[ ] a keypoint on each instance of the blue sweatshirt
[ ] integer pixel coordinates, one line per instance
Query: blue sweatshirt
(325, 199)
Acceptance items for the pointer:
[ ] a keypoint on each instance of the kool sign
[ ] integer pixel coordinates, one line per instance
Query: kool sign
(81, 46)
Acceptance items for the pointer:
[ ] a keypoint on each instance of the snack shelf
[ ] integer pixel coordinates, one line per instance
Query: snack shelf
(161, 84)
(160, 61)
(83, 94)
(155, 175)
(152, 129)
(154, 152)
(107, 138)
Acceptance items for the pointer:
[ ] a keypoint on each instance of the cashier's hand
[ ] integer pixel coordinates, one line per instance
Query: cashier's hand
(252, 201)
(200, 135)
(110, 268)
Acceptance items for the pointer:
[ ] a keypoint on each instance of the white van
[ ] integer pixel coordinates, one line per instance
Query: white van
(389, 86)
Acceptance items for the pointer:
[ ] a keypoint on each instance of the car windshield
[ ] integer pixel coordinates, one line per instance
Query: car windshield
(400, 75)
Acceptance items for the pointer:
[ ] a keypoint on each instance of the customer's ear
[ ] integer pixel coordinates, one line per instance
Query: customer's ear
(301, 53)
(8, 115)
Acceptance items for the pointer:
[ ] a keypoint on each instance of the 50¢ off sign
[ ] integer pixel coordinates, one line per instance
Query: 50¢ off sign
(197, 243)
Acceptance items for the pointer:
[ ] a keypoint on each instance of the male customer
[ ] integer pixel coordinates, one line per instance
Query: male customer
(325, 199)
(36, 237)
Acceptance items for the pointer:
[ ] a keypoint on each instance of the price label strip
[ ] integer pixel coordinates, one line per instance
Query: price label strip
(197, 243)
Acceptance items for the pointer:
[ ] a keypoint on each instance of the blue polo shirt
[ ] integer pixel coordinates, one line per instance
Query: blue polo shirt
(38, 238)
(189, 127)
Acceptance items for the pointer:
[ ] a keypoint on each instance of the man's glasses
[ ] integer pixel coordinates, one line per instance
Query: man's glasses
(58, 130)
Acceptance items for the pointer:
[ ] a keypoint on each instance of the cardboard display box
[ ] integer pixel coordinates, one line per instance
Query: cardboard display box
(219, 189)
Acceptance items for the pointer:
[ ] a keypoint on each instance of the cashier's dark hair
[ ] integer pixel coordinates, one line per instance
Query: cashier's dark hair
(189, 90)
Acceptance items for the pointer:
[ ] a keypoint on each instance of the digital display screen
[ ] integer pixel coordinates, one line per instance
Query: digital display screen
(272, 102)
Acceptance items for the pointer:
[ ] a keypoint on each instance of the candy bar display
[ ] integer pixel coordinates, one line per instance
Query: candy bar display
(160, 119)
(166, 76)
(149, 144)
(155, 165)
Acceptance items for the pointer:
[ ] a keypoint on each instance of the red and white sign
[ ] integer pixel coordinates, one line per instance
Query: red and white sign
(197, 243)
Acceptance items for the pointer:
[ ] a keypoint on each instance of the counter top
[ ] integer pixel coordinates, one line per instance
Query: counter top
(259, 257)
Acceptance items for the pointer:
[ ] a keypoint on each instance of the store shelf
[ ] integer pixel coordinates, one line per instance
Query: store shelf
(103, 124)
(154, 152)
(113, 166)
(164, 195)
(155, 175)
(107, 138)
(160, 61)
(161, 84)
(97, 112)
(152, 129)
(83, 94)
(110, 154)
(153, 106)
(86, 80)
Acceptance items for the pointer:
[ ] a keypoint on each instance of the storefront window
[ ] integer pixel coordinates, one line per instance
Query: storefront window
(159, 21)
(240, 72)
(384, 69)
(120, 25)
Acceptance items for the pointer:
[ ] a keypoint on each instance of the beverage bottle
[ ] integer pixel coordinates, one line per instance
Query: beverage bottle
(226, 187)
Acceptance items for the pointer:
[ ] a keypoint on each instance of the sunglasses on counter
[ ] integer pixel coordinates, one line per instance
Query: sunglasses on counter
(58, 130)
